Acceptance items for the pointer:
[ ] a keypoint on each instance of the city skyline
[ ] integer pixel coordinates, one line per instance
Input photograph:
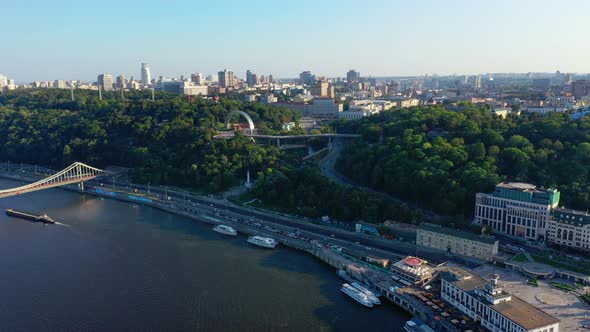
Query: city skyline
(385, 38)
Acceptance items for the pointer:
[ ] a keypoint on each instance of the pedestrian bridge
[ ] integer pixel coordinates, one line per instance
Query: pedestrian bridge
(75, 173)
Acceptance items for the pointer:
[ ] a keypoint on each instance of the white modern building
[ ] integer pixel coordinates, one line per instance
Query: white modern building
(323, 108)
(517, 209)
(354, 115)
(546, 109)
(146, 78)
(488, 304)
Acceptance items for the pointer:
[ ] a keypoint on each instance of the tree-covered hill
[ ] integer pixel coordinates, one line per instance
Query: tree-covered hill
(169, 140)
(439, 159)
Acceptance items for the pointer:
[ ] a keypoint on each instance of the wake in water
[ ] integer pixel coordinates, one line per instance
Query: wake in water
(61, 224)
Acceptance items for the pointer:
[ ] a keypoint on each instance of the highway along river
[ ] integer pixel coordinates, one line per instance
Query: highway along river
(115, 266)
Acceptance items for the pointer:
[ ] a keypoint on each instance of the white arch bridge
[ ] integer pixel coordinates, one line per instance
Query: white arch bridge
(75, 173)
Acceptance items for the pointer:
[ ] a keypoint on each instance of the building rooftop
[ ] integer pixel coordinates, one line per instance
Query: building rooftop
(517, 310)
(527, 192)
(457, 233)
(568, 216)
(518, 186)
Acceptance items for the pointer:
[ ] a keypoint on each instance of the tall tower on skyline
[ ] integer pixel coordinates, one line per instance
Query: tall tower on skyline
(145, 74)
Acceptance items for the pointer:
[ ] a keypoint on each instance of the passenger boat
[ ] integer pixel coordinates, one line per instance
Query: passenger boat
(374, 299)
(261, 241)
(356, 295)
(224, 229)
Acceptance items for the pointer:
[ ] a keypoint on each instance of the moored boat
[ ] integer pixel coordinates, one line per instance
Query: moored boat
(374, 299)
(356, 295)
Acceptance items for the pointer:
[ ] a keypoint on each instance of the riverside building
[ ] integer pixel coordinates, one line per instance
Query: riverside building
(457, 241)
(569, 228)
(496, 310)
(517, 209)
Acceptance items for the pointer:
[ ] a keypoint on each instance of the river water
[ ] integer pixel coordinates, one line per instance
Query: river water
(115, 266)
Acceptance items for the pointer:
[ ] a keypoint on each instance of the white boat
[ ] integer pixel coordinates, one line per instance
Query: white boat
(367, 293)
(261, 241)
(224, 229)
(356, 295)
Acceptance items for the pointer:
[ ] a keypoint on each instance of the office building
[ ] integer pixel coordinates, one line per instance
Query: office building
(581, 88)
(121, 82)
(456, 241)
(353, 76)
(517, 209)
(320, 89)
(226, 78)
(569, 228)
(182, 87)
(477, 83)
(197, 78)
(488, 304)
(146, 76)
(255, 79)
(306, 78)
(249, 77)
(59, 84)
(105, 81)
(546, 109)
(323, 109)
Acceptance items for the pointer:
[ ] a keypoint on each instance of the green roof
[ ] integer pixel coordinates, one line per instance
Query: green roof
(457, 233)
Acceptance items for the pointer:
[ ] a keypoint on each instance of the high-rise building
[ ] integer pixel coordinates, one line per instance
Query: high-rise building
(197, 78)
(59, 84)
(3, 82)
(353, 76)
(477, 84)
(249, 77)
(254, 79)
(226, 78)
(320, 89)
(105, 81)
(517, 209)
(121, 82)
(307, 78)
(581, 88)
(146, 76)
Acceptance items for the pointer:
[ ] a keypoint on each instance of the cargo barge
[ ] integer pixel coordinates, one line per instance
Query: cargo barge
(30, 216)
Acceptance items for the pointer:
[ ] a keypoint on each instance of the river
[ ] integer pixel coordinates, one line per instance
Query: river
(113, 266)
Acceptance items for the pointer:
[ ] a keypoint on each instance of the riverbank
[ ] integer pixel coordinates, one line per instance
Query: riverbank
(314, 244)
(287, 236)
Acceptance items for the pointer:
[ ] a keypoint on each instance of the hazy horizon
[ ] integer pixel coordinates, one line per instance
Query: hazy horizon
(72, 40)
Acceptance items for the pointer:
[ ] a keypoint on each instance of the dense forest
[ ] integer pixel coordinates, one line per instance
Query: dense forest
(167, 141)
(439, 159)
(428, 157)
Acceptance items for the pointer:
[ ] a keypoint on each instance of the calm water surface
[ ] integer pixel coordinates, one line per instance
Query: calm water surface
(115, 266)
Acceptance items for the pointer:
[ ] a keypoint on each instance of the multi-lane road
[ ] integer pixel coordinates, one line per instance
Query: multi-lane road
(198, 205)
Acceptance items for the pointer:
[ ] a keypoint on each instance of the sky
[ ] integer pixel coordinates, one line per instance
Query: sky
(58, 39)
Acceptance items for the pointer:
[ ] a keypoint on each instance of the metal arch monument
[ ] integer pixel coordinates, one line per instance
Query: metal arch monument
(245, 115)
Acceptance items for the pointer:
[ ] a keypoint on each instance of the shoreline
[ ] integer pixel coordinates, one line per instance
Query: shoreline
(401, 301)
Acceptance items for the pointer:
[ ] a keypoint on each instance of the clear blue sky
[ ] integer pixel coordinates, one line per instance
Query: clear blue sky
(46, 40)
